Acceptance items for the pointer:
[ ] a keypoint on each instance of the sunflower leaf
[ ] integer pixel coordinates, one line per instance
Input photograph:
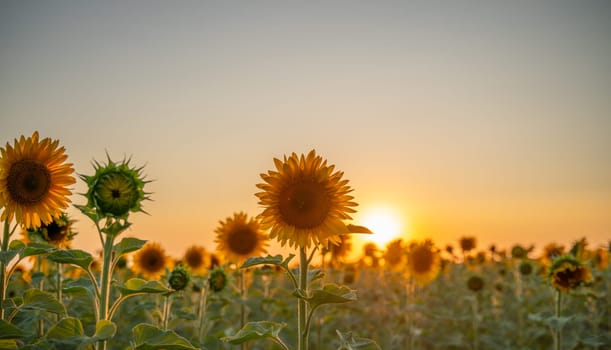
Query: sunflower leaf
(88, 212)
(16, 245)
(138, 286)
(7, 256)
(116, 227)
(9, 331)
(35, 248)
(104, 329)
(256, 331)
(34, 299)
(128, 245)
(8, 344)
(263, 260)
(149, 337)
(76, 257)
(350, 342)
(331, 293)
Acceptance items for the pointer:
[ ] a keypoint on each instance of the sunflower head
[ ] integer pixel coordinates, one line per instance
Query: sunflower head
(467, 243)
(34, 180)
(552, 251)
(151, 261)
(475, 283)
(519, 252)
(240, 237)
(526, 268)
(394, 255)
(217, 279)
(197, 259)
(305, 201)
(341, 250)
(179, 278)
(423, 262)
(115, 190)
(567, 273)
(58, 232)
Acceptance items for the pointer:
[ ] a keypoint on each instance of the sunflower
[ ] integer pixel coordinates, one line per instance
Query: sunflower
(551, 251)
(115, 189)
(567, 273)
(58, 232)
(340, 251)
(475, 283)
(197, 259)
(239, 237)
(467, 244)
(34, 181)
(394, 256)
(305, 201)
(151, 261)
(423, 262)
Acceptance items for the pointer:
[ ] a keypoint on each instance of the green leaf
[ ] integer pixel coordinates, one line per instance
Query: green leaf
(104, 330)
(16, 245)
(350, 342)
(137, 285)
(35, 248)
(556, 323)
(89, 212)
(34, 299)
(260, 260)
(255, 331)
(358, 229)
(8, 344)
(149, 337)
(7, 256)
(76, 257)
(116, 227)
(127, 245)
(331, 293)
(9, 331)
(66, 328)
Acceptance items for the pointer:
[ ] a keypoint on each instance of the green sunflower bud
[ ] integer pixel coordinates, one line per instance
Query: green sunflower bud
(217, 280)
(179, 278)
(526, 268)
(475, 283)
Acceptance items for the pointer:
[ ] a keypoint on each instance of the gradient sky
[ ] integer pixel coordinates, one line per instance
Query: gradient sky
(482, 118)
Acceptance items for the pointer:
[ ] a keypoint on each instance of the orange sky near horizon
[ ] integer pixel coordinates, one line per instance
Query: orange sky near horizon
(490, 120)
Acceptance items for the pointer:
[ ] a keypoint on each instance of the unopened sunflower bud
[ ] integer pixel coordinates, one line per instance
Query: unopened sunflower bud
(217, 280)
(475, 283)
(179, 278)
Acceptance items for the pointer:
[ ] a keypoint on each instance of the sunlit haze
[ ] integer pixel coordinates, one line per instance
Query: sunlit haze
(486, 119)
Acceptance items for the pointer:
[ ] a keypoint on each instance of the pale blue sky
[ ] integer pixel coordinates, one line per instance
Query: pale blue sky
(478, 118)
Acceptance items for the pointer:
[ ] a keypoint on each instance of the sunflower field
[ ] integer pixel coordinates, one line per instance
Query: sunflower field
(406, 295)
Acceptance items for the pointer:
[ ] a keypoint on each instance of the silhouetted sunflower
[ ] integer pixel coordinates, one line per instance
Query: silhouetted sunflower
(239, 238)
(340, 251)
(115, 189)
(151, 261)
(58, 232)
(423, 262)
(567, 273)
(467, 243)
(197, 259)
(394, 256)
(305, 201)
(34, 181)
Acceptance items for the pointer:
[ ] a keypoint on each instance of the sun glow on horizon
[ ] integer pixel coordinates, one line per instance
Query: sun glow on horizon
(385, 224)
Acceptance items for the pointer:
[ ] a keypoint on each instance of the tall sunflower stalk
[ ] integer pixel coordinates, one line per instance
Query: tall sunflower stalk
(34, 181)
(114, 191)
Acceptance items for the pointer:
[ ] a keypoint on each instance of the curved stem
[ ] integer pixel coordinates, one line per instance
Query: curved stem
(3, 283)
(281, 343)
(308, 321)
(301, 306)
(292, 277)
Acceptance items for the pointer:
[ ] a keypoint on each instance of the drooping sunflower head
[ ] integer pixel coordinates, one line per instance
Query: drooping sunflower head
(151, 261)
(423, 262)
(116, 189)
(217, 279)
(467, 243)
(475, 283)
(525, 268)
(567, 273)
(34, 180)
(239, 237)
(58, 232)
(305, 201)
(179, 278)
(197, 259)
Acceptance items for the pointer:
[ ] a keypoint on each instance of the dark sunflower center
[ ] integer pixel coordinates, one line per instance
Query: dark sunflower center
(569, 278)
(55, 232)
(152, 261)
(304, 204)
(423, 260)
(28, 182)
(242, 240)
(194, 259)
(116, 193)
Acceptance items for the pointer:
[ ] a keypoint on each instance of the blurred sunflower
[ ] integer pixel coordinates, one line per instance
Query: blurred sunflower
(567, 273)
(394, 256)
(115, 189)
(305, 201)
(467, 244)
(475, 283)
(197, 259)
(151, 261)
(239, 238)
(340, 251)
(423, 262)
(58, 232)
(34, 181)
(551, 251)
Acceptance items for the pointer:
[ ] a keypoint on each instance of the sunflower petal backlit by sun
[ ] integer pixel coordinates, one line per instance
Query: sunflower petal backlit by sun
(33, 181)
(305, 201)
(151, 261)
(239, 237)
(423, 262)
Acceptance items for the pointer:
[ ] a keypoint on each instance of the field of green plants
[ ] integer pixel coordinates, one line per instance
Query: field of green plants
(406, 295)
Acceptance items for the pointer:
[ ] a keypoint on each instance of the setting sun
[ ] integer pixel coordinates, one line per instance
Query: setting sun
(384, 223)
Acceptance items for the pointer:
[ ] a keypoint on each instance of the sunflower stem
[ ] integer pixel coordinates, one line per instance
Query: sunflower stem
(558, 331)
(60, 271)
(3, 284)
(243, 297)
(203, 299)
(167, 306)
(301, 306)
(105, 283)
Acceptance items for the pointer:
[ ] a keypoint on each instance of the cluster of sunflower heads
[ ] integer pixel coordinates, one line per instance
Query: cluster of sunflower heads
(114, 191)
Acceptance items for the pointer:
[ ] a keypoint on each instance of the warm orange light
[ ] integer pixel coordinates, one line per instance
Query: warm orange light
(383, 222)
